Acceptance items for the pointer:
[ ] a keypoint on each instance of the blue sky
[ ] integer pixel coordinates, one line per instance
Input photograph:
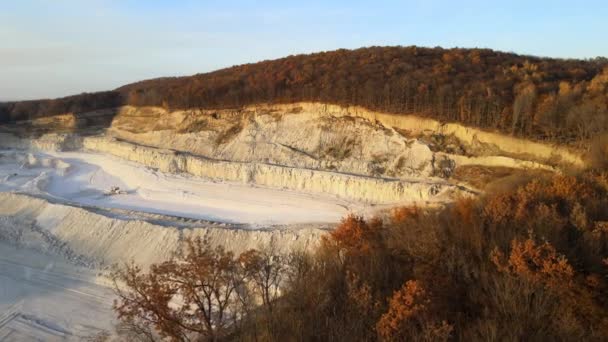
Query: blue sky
(52, 48)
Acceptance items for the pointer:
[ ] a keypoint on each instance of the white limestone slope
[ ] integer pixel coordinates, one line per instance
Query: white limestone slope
(307, 140)
(346, 186)
(99, 239)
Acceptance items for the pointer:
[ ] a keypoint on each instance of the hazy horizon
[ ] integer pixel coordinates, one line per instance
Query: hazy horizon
(59, 48)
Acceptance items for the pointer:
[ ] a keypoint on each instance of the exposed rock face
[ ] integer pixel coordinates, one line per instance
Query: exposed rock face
(323, 136)
(303, 140)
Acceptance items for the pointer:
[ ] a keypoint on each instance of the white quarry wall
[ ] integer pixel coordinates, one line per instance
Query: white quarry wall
(300, 140)
(353, 187)
(98, 240)
(299, 135)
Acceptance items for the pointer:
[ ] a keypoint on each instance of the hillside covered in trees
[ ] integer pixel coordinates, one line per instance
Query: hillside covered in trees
(528, 264)
(541, 98)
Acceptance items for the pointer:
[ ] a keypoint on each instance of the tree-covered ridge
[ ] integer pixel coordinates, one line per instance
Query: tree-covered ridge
(25, 110)
(542, 98)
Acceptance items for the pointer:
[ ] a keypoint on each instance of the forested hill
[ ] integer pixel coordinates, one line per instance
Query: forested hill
(536, 97)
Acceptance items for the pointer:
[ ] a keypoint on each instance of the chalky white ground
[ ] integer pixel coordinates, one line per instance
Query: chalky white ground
(43, 298)
(86, 178)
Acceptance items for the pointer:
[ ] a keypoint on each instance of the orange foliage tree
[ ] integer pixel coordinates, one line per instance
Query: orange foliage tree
(203, 295)
(536, 263)
(408, 318)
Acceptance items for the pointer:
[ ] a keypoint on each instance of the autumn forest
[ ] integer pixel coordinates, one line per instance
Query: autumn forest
(541, 98)
(526, 264)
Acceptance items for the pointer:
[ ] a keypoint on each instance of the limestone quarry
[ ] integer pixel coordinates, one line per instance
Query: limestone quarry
(128, 184)
(311, 163)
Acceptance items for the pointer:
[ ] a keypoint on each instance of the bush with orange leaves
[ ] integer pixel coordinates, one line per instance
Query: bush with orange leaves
(541, 265)
(193, 297)
(403, 214)
(562, 210)
(407, 317)
(355, 236)
(405, 304)
(536, 263)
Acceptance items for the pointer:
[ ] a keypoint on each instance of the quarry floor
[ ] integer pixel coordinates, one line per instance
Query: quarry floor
(87, 178)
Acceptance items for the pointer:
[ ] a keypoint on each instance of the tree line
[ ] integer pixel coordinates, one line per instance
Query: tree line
(555, 99)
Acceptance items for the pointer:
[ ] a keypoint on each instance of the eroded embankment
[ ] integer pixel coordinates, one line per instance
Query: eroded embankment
(98, 240)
